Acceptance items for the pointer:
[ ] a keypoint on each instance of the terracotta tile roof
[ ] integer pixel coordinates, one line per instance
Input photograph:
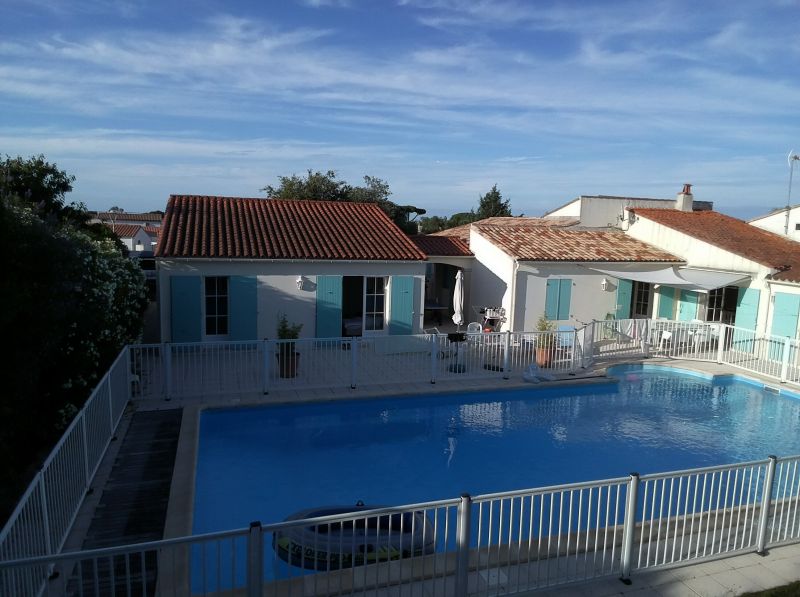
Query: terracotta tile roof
(128, 217)
(735, 236)
(442, 246)
(462, 232)
(153, 230)
(538, 243)
(257, 228)
(124, 230)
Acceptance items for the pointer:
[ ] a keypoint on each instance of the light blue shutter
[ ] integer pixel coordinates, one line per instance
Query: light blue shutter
(242, 308)
(784, 315)
(551, 300)
(624, 293)
(666, 302)
(329, 306)
(746, 318)
(402, 305)
(185, 308)
(564, 298)
(687, 308)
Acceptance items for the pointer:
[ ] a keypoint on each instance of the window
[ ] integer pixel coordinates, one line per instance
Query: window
(721, 304)
(374, 303)
(641, 300)
(217, 306)
(797, 226)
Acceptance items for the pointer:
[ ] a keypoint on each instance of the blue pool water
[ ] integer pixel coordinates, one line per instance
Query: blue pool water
(268, 462)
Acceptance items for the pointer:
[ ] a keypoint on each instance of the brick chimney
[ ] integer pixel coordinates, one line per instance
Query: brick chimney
(685, 200)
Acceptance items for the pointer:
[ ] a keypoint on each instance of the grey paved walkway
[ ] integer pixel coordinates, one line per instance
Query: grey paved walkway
(726, 577)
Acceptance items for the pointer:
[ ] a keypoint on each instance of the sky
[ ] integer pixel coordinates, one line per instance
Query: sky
(442, 99)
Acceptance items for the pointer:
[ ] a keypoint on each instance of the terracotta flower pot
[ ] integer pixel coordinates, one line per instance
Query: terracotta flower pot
(287, 363)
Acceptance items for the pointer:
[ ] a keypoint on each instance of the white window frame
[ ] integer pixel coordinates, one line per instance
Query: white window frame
(386, 295)
(227, 316)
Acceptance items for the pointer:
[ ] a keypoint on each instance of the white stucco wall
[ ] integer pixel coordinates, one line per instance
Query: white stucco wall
(588, 300)
(701, 254)
(492, 274)
(140, 237)
(571, 210)
(776, 223)
(599, 212)
(277, 287)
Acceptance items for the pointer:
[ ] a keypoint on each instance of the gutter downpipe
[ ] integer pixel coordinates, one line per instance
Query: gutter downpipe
(513, 303)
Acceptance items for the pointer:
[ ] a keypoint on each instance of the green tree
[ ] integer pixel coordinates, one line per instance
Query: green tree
(70, 301)
(326, 187)
(492, 205)
(461, 218)
(429, 225)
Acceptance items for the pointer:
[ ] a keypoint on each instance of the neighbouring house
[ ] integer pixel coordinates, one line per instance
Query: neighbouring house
(134, 237)
(531, 270)
(149, 219)
(784, 221)
(608, 211)
(228, 267)
(747, 276)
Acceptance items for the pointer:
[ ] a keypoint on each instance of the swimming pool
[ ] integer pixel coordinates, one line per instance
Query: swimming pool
(268, 462)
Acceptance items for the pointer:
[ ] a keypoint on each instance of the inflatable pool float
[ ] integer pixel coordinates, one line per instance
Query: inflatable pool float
(355, 542)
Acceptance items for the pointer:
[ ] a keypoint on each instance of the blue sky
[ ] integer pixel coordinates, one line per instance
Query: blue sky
(440, 98)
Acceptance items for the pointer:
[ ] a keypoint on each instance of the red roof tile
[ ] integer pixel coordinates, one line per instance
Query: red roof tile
(462, 231)
(232, 227)
(735, 236)
(442, 246)
(153, 230)
(539, 243)
(124, 216)
(124, 230)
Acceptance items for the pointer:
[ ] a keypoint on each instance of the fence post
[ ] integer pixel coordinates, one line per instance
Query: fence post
(166, 357)
(723, 334)
(45, 515)
(353, 363)
(766, 498)
(645, 335)
(82, 415)
(787, 347)
(129, 376)
(507, 354)
(255, 560)
(110, 404)
(629, 524)
(434, 354)
(462, 544)
(588, 345)
(265, 361)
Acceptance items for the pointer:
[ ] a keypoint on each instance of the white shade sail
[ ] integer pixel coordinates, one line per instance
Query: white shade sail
(685, 277)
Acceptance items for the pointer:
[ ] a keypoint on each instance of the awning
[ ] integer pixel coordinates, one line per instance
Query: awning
(684, 277)
(709, 279)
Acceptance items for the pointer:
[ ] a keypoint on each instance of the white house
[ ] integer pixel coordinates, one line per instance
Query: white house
(133, 236)
(745, 276)
(530, 269)
(783, 221)
(608, 211)
(228, 267)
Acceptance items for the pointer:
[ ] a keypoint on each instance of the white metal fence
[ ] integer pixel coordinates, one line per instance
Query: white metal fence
(202, 369)
(494, 544)
(41, 521)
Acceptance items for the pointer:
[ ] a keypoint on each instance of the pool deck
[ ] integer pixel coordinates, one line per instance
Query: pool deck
(728, 576)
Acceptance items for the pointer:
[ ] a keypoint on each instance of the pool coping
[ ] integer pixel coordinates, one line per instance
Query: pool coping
(180, 508)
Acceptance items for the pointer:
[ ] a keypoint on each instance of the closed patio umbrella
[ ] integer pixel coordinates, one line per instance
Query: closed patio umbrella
(458, 300)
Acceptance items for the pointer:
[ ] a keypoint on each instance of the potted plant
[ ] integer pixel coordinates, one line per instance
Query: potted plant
(288, 357)
(545, 341)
